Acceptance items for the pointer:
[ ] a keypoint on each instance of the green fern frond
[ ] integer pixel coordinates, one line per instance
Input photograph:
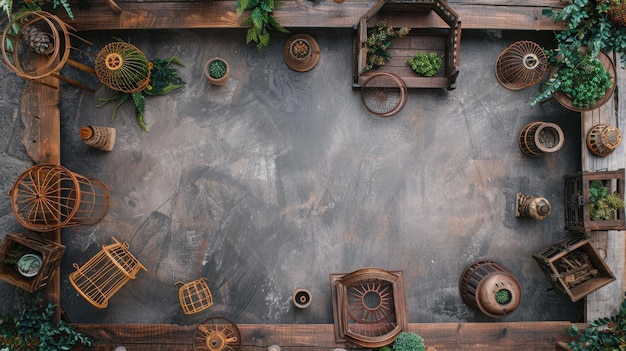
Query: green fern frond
(252, 36)
(7, 6)
(140, 108)
(66, 6)
(257, 18)
(274, 23)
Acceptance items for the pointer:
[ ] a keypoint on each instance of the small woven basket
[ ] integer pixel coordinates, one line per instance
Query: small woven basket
(123, 67)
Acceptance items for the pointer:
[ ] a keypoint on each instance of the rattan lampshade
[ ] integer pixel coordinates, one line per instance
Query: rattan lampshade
(123, 67)
(521, 65)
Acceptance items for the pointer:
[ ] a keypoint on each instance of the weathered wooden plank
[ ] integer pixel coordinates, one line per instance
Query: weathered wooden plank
(606, 301)
(513, 15)
(534, 336)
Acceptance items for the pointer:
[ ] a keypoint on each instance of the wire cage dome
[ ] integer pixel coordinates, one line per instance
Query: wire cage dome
(521, 65)
(123, 67)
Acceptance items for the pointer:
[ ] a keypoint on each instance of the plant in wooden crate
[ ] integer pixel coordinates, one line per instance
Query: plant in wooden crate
(163, 79)
(580, 75)
(407, 341)
(378, 43)
(425, 64)
(34, 329)
(606, 333)
(602, 203)
(261, 20)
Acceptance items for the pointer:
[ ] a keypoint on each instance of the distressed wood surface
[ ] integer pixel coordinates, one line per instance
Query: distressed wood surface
(605, 301)
(534, 336)
(515, 15)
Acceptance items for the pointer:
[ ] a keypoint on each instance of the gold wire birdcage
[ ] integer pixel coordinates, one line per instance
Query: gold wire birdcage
(48, 53)
(602, 139)
(195, 296)
(105, 273)
(123, 67)
(521, 65)
(47, 197)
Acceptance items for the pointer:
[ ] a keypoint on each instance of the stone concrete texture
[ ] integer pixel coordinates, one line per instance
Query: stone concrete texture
(280, 178)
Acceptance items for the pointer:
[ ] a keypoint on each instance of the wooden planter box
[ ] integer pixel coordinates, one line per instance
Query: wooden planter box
(577, 216)
(50, 252)
(435, 27)
(551, 258)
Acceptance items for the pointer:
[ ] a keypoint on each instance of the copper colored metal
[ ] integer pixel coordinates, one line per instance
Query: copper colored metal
(538, 138)
(217, 334)
(480, 283)
(602, 139)
(521, 65)
(47, 197)
(532, 206)
(369, 306)
(306, 62)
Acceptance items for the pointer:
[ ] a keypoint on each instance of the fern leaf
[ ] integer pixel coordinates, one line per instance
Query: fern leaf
(123, 99)
(274, 23)
(140, 107)
(241, 6)
(6, 6)
(252, 35)
(257, 18)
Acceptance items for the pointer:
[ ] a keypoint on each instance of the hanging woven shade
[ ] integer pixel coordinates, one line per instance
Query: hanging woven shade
(521, 65)
(123, 67)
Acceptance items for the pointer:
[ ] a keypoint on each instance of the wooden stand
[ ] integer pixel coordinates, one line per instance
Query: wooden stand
(562, 267)
(50, 252)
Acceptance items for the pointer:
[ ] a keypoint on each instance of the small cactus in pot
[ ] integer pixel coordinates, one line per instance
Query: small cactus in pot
(217, 71)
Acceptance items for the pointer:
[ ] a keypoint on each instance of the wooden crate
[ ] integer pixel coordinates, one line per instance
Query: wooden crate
(435, 27)
(50, 252)
(577, 216)
(548, 257)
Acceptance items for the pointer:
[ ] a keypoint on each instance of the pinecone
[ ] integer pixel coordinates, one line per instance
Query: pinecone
(37, 40)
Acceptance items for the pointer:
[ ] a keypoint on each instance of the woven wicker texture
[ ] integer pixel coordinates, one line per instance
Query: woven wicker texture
(195, 296)
(521, 65)
(617, 12)
(123, 67)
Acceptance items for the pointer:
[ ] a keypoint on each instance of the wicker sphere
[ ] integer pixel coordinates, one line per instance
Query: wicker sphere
(123, 67)
(521, 65)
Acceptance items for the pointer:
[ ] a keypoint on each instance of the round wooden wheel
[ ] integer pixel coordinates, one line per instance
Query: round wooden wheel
(371, 302)
(384, 94)
(217, 334)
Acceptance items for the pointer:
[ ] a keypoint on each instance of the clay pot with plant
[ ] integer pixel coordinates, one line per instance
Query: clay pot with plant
(217, 71)
(26, 261)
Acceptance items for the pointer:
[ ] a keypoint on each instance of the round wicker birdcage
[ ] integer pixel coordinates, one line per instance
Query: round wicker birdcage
(521, 65)
(603, 139)
(123, 67)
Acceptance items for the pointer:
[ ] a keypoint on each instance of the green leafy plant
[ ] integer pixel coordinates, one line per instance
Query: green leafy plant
(425, 64)
(163, 79)
(378, 43)
(581, 76)
(602, 334)
(34, 329)
(33, 5)
(217, 69)
(407, 341)
(603, 203)
(588, 23)
(503, 296)
(261, 20)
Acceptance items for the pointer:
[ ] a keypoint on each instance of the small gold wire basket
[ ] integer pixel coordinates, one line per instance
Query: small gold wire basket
(195, 296)
(123, 67)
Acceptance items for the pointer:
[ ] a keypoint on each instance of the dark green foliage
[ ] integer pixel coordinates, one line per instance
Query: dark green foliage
(261, 20)
(581, 76)
(602, 334)
(34, 329)
(406, 341)
(34, 5)
(425, 64)
(163, 79)
(503, 296)
(378, 43)
(602, 203)
(217, 69)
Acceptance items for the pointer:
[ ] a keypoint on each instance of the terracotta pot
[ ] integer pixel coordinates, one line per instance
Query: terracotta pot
(301, 298)
(216, 81)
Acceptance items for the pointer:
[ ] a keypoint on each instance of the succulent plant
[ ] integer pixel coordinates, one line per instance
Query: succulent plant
(217, 69)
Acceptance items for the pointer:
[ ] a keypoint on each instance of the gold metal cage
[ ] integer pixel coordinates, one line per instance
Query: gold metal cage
(105, 273)
(195, 296)
(47, 197)
(123, 67)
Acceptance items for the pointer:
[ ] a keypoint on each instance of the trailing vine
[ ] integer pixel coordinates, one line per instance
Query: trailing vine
(261, 19)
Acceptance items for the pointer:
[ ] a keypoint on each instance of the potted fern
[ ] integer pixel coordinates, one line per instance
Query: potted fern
(217, 71)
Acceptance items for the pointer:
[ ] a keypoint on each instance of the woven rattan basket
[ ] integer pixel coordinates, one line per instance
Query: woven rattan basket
(123, 67)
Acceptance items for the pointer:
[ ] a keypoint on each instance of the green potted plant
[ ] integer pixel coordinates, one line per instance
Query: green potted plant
(261, 19)
(378, 43)
(217, 71)
(33, 329)
(26, 261)
(580, 76)
(406, 341)
(607, 333)
(425, 64)
(602, 203)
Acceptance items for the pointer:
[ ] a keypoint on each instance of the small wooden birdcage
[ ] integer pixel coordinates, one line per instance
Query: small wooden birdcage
(36, 45)
(489, 287)
(47, 197)
(602, 139)
(195, 296)
(123, 67)
(105, 273)
(539, 138)
(521, 65)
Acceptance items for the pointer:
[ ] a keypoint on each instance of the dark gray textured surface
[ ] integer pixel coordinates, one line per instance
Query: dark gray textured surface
(280, 178)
